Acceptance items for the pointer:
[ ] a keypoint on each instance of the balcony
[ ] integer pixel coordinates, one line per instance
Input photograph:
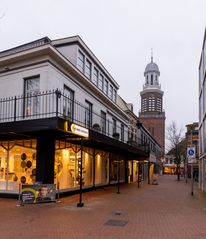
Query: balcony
(54, 104)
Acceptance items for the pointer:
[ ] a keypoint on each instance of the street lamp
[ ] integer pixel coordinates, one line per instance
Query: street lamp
(80, 203)
(118, 162)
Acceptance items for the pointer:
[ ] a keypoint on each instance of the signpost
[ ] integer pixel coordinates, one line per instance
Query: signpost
(82, 133)
(191, 160)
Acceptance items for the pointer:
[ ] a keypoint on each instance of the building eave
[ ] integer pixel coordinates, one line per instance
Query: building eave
(77, 40)
(50, 52)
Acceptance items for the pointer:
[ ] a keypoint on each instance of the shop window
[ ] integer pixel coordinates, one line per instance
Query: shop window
(101, 167)
(17, 164)
(67, 166)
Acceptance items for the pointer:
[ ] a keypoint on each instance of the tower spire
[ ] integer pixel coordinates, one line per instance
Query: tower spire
(151, 54)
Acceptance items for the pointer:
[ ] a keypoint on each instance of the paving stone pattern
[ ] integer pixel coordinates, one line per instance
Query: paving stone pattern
(164, 211)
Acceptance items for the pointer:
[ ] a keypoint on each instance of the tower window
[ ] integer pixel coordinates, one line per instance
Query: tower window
(159, 104)
(144, 104)
(151, 79)
(147, 79)
(151, 103)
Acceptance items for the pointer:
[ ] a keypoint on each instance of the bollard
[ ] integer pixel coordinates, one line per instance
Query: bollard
(20, 203)
(58, 196)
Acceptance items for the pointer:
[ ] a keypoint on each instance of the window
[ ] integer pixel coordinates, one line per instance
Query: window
(88, 114)
(95, 76)
(151, 103)
(106, 87)
(147, 80)
(32, 100)
(144, 104)
(88, 69)
(80, 62)
(122, 132)
(103, 122)
(114, 126)
(151, 79)
(111, 92)
(68, 103)
(114, 95)
(159, 105)
(101, 81)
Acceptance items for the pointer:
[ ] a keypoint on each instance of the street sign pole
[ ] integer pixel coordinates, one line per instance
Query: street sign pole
(191, 160)
(192, 180)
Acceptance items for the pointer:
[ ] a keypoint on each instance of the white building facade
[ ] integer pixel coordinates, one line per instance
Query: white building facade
(59, 118)
(202, 119)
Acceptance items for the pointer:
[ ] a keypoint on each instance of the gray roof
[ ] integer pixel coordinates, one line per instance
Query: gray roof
(152, 67)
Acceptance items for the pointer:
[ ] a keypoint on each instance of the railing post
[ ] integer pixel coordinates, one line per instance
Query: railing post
(58, 95)
(15, 108)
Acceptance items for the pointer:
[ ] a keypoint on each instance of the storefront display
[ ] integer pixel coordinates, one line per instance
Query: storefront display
(17, 163)
(67, 167)
(68, 164)
(101, 167)
(18, 166)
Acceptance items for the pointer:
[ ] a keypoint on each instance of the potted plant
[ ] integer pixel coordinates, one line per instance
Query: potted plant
(96, 127)
(116, 135)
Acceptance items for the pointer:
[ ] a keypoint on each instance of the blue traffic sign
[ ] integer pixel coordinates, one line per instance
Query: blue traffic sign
(191, 152)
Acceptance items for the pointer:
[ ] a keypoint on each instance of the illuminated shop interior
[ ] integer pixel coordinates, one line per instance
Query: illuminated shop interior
(18, 165)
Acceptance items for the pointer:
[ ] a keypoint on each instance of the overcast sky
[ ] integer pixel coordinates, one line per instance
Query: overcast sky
(121, 34)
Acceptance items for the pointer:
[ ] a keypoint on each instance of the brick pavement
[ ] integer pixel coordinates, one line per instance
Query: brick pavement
(161, 211)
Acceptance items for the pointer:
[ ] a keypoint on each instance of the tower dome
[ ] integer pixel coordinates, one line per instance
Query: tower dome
(152, 67)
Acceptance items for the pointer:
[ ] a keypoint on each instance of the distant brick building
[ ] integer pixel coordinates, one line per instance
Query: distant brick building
(152, 114)
(192, 140)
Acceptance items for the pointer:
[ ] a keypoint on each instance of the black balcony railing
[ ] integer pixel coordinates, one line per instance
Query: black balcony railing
(55, 104)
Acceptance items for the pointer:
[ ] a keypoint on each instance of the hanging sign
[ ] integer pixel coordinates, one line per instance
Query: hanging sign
(79, 130)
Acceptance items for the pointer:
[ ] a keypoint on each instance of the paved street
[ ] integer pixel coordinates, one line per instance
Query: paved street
(161, 211)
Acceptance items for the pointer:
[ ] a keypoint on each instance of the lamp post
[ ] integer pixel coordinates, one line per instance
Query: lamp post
(118, 162)
(80, 204)
(138, 177)
(148, 172)
(118, 176)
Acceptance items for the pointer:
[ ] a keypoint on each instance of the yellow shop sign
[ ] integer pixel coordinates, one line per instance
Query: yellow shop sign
(79, 130)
